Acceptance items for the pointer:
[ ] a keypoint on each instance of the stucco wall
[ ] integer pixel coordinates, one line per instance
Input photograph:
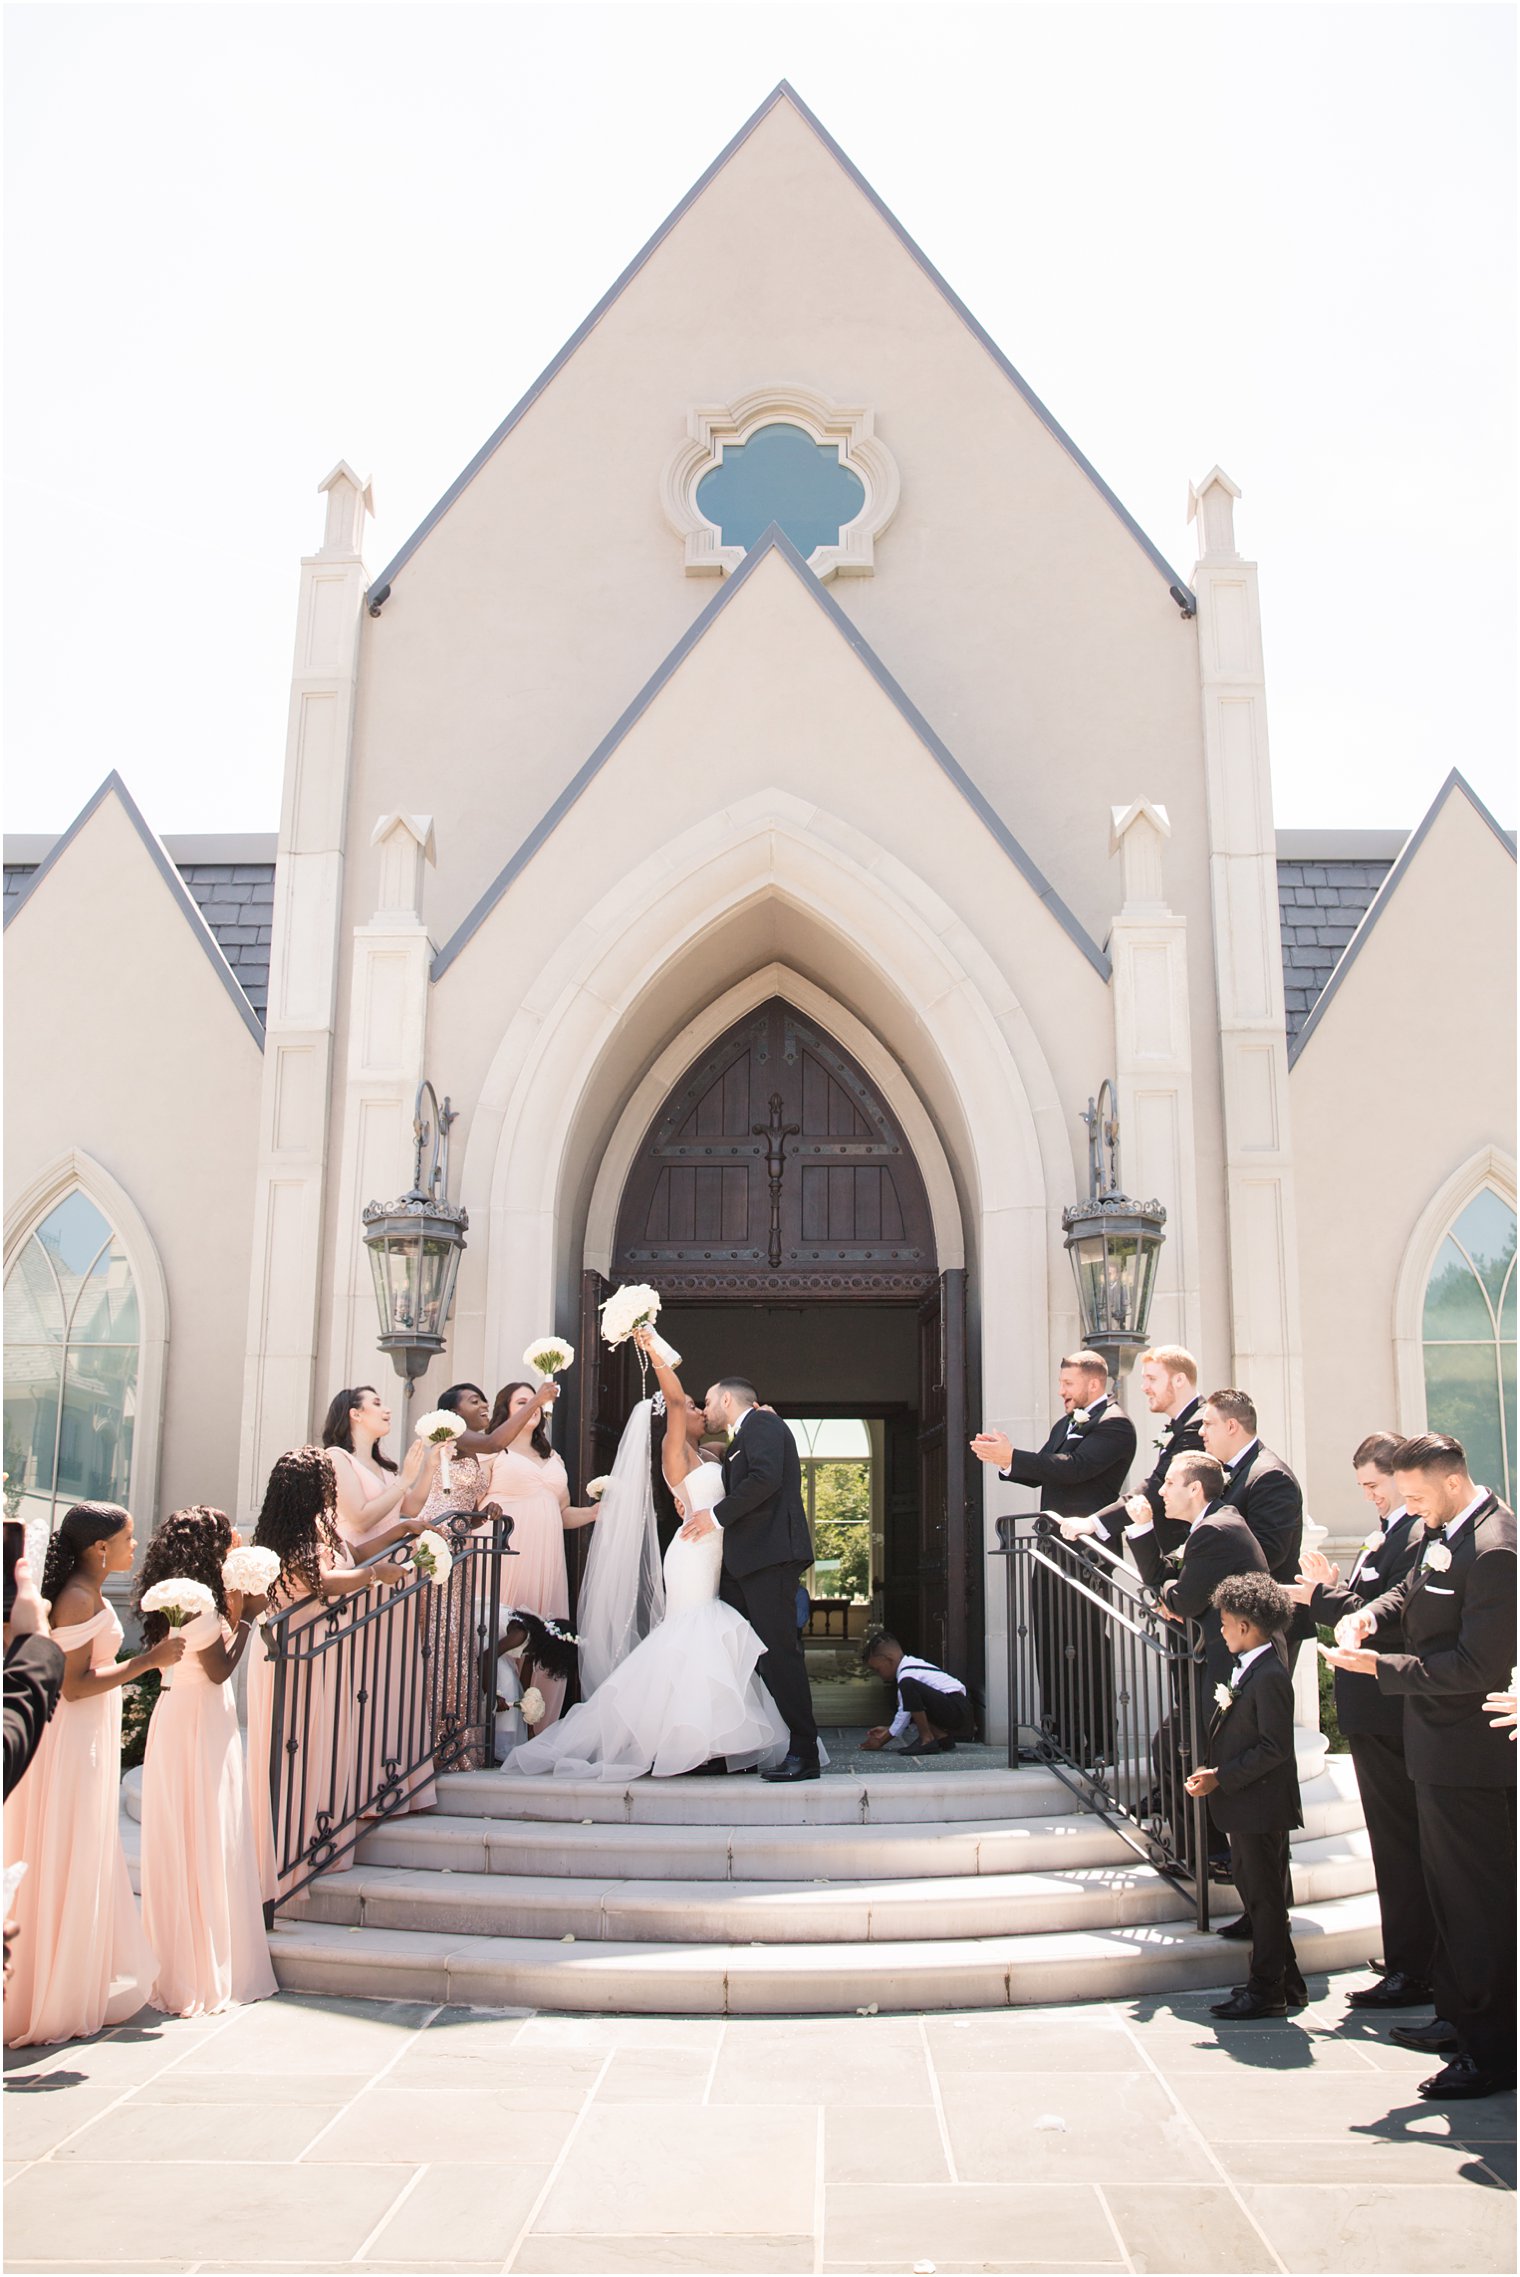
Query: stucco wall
(121, 1042)
(1409, 1074)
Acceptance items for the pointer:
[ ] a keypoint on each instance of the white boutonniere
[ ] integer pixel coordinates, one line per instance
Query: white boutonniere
(1223, 1697)
(1437, 1557)
(1374, 1540)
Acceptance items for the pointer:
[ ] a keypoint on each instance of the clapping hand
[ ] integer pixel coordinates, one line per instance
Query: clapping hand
(1499, 1707)
(1318, 1571)
(993, 1447)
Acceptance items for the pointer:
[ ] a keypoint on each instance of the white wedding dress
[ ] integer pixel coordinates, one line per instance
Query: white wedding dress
(687, 1693)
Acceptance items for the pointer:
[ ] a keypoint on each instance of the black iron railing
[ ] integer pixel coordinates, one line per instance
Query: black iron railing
(1108, 1692)
(376, 1692)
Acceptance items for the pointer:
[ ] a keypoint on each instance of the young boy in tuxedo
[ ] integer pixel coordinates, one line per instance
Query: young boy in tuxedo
(933, 1704)
(1252, 1786)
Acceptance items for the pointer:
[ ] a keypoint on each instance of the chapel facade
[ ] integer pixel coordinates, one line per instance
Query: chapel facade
(769, 794)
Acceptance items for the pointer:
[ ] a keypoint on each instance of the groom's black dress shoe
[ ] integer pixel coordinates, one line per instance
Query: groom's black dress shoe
(1437, 2038)
(1395, 1991)
(1245, 2006)
(1462, 2081)
(793, 1768)
(1239, 1929)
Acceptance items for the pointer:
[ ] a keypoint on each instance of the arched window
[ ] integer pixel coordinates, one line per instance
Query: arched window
(1469, 1339)
(836, 1489)
(72, 1339)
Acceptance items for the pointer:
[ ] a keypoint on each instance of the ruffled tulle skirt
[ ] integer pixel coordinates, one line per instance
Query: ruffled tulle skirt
(688, 1693)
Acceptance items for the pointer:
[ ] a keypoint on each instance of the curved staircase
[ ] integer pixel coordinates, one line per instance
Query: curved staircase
(892, 1890)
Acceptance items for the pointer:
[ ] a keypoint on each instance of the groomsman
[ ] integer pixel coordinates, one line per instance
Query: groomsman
(1081, 1468)
(1263, 1490)
(1373, 1724)
(1169, 1383)
(1457, 1610)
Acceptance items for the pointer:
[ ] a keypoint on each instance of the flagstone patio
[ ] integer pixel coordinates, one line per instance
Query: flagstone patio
(314, 2134)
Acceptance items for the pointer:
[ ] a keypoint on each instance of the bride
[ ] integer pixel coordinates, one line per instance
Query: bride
(669, 1668)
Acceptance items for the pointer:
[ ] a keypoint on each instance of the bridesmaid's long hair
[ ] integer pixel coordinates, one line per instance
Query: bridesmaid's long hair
(86, 1523)
(189, 1546)
(299, 1517)
(499, 1413)
(338, 1428)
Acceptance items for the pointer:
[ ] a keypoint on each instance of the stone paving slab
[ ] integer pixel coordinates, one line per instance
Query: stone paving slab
(310, 2134)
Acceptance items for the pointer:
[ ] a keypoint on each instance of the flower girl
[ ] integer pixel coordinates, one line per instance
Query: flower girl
(202, 1907)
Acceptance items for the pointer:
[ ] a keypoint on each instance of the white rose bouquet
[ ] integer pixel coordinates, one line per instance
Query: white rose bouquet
(550, 1355)
(440, 1429)
(252, 1572)
(179, 1600)
(532, 1705)
(432, 1556)
(597, 1487)
(633, 1306)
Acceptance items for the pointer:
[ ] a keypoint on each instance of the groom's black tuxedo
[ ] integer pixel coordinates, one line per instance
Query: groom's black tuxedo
(766, 1545)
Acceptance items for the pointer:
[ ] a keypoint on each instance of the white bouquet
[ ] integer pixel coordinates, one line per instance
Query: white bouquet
(440, 1429)
(532, 1705)
(179, 1600)
(252, 1572)
(431, 1555)
(597, 1487)
(636, 1305)
(550, 1355)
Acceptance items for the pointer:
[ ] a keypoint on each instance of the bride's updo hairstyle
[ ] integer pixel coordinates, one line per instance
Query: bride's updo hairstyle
(499, 1413)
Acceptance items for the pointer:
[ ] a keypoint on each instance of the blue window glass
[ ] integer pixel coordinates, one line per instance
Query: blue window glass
(1470, 1339)
(781, 475)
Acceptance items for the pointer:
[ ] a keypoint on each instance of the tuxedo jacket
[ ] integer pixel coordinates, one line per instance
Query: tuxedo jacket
(1250, 1745)
(1271, 1501)
(1361, 1704)
(762, 1516)
(33, 1681)
(1458, 1644)
(1078, 1476)
(1221, 1543)
(1183, 1437)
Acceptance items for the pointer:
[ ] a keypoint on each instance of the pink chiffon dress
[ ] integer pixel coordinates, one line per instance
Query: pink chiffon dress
(202, 1906)
(397, 1723)
(318, 1779)
(81, 1961)
(535, 1494)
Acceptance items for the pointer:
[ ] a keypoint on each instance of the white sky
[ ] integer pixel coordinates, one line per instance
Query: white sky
(245, 241)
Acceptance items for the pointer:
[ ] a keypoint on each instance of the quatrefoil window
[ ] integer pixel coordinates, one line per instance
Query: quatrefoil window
(788, 456)
(781, 475)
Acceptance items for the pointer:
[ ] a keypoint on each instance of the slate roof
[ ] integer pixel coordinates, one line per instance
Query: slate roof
(235, 898)
(1321, 904)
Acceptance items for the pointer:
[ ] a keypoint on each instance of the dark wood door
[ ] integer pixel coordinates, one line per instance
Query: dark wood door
(777, 1170)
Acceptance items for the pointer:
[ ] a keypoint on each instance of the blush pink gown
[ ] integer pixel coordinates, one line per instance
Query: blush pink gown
(81, 1961)
(535, 1494)
(397, 1720)
(325, 1743)
(202, 1907)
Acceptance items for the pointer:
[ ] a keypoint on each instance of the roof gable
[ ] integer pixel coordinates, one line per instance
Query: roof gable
(114, 788)
(775, 541)
(1453, 784)
(783, 92)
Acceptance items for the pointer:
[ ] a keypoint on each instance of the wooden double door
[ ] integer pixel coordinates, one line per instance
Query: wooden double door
(777, 1179)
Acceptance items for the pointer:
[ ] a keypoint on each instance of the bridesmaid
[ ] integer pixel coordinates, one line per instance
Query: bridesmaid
(298, 1522)
(528, 1479)
(371, 1498)
(202, 1908)
(80, 1959)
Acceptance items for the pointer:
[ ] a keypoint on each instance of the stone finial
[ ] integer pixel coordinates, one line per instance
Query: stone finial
(1139, 833)
(406, 844)
(349, 499)
(1211, 503)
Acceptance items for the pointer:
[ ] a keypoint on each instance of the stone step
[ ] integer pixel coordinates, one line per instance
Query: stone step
(672, 1912)
(605, 1977)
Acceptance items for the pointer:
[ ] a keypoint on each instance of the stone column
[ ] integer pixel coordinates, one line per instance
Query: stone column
(1261, 1216)
(387, 1030)
(294, 1107)
(1153, 1071)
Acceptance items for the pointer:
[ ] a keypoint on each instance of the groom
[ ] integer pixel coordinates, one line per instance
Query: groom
(766, 1546)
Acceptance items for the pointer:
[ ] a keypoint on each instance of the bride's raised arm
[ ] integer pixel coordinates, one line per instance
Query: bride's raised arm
(678, 1454)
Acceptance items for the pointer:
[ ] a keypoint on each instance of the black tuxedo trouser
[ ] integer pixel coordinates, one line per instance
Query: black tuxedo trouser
(1076, 1664)
(1392, 1813)
(1467, 1847)
(768, 1601)
(1259, 1869)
